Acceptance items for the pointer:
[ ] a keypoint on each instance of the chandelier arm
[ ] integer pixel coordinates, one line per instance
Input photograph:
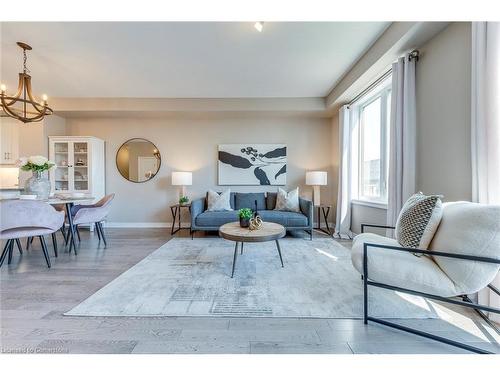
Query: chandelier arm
(38, 117)
(38, 107)
(14, 98)
(7, 110)
(44, 109)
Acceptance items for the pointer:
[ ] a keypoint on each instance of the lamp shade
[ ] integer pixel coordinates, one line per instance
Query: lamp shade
(316, 178)
(182, 178)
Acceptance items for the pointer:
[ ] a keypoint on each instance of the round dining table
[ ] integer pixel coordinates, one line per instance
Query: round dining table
(68, 203)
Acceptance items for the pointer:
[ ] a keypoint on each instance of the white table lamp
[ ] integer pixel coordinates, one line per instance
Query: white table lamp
(182, 179)
(316, 179)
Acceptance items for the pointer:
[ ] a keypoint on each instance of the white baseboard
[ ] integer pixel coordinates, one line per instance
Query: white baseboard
(110, 224)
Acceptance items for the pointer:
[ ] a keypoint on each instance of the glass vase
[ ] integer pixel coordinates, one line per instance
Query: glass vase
(38, 185)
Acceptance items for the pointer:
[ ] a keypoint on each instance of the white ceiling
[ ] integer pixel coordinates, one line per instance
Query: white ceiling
(185, 59)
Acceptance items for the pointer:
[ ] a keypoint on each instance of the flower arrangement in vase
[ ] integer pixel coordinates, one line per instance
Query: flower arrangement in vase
(38, 184)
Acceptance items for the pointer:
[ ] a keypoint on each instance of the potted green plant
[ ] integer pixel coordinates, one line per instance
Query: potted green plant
(183, 200)
(245, 215)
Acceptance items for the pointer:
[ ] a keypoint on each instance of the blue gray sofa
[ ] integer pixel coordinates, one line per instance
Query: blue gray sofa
(202, 220)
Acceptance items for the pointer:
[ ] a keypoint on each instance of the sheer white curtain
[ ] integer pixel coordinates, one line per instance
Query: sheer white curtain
(402, 134)
(485, 125)
(343, 218)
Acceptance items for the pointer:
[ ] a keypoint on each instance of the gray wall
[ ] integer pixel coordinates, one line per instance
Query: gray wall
(443, 120)
(443, 114)
(190, 144)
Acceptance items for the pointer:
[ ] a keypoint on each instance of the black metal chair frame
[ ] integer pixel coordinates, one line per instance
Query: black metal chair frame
(466, 302)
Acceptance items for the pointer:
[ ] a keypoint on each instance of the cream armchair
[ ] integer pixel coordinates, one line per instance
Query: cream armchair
(463, 258)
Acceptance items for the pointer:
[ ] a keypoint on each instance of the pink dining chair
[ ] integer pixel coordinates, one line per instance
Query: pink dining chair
(93, 214)
(23, 218)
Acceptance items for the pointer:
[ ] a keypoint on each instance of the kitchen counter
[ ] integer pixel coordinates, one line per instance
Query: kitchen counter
(10, 192)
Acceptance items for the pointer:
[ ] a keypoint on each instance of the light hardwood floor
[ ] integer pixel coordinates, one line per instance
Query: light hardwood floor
(33, 299)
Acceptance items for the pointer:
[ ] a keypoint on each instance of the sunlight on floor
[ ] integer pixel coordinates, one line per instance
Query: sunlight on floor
(415, 300)
(478, 329)
(322, 252)
(475, 328)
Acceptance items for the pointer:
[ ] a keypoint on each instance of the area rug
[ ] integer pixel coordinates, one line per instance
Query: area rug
(188, 277)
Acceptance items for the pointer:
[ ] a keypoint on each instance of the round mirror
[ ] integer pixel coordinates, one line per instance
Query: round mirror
(138, 160)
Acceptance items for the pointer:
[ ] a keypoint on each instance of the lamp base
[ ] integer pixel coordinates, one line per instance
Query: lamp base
(316, 195)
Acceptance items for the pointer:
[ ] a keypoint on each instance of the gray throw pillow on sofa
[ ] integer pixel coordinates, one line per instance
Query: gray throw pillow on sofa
(271, 201)
(247, 200)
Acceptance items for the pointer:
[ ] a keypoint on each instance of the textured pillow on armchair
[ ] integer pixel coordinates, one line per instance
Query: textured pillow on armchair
(419, 220)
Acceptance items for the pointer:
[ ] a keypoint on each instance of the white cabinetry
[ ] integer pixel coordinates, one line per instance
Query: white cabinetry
(9, 141)
(80, 165)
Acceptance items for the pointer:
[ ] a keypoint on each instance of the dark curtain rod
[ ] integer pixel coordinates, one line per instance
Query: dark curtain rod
(413, 55)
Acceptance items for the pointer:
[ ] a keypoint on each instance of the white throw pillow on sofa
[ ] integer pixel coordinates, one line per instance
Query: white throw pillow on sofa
(288, 201)
(219, 202)
(419, 220)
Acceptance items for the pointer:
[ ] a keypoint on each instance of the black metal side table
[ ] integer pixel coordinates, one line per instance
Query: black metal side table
(323, 210)
(176, 214)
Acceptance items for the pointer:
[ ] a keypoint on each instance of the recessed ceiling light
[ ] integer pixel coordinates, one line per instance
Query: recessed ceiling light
(259, 26)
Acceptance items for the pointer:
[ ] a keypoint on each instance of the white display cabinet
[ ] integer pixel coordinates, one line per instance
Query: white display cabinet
(80, 165)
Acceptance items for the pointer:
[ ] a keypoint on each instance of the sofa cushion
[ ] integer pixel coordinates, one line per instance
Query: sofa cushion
(400, 268)
(287, 219)
(472, 229)
(247, 200)
(216, 218)
(271, 201)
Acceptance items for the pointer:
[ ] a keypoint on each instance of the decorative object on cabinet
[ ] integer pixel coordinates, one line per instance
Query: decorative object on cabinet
(252, 164)
(38, 184)
(138, 160)
(81, 165)
(316, 179)
(182, 179)
(16, 106)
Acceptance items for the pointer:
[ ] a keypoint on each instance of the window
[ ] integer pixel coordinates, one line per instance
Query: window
(372, 148)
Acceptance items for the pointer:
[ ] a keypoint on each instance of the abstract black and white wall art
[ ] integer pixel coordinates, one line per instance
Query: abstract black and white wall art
(252, 164)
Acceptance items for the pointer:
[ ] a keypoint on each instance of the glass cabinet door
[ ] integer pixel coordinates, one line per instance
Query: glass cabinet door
(80, 166)
(62, 172)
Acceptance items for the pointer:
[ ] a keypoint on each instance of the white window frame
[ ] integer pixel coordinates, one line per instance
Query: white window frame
(383, 92)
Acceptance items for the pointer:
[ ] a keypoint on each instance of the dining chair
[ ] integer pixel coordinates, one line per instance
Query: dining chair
(92, 214)
(22, 218)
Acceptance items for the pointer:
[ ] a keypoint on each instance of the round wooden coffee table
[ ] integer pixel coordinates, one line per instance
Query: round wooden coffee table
(268, 232)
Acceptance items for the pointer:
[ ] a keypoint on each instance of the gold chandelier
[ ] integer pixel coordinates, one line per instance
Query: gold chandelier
(23, 106)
